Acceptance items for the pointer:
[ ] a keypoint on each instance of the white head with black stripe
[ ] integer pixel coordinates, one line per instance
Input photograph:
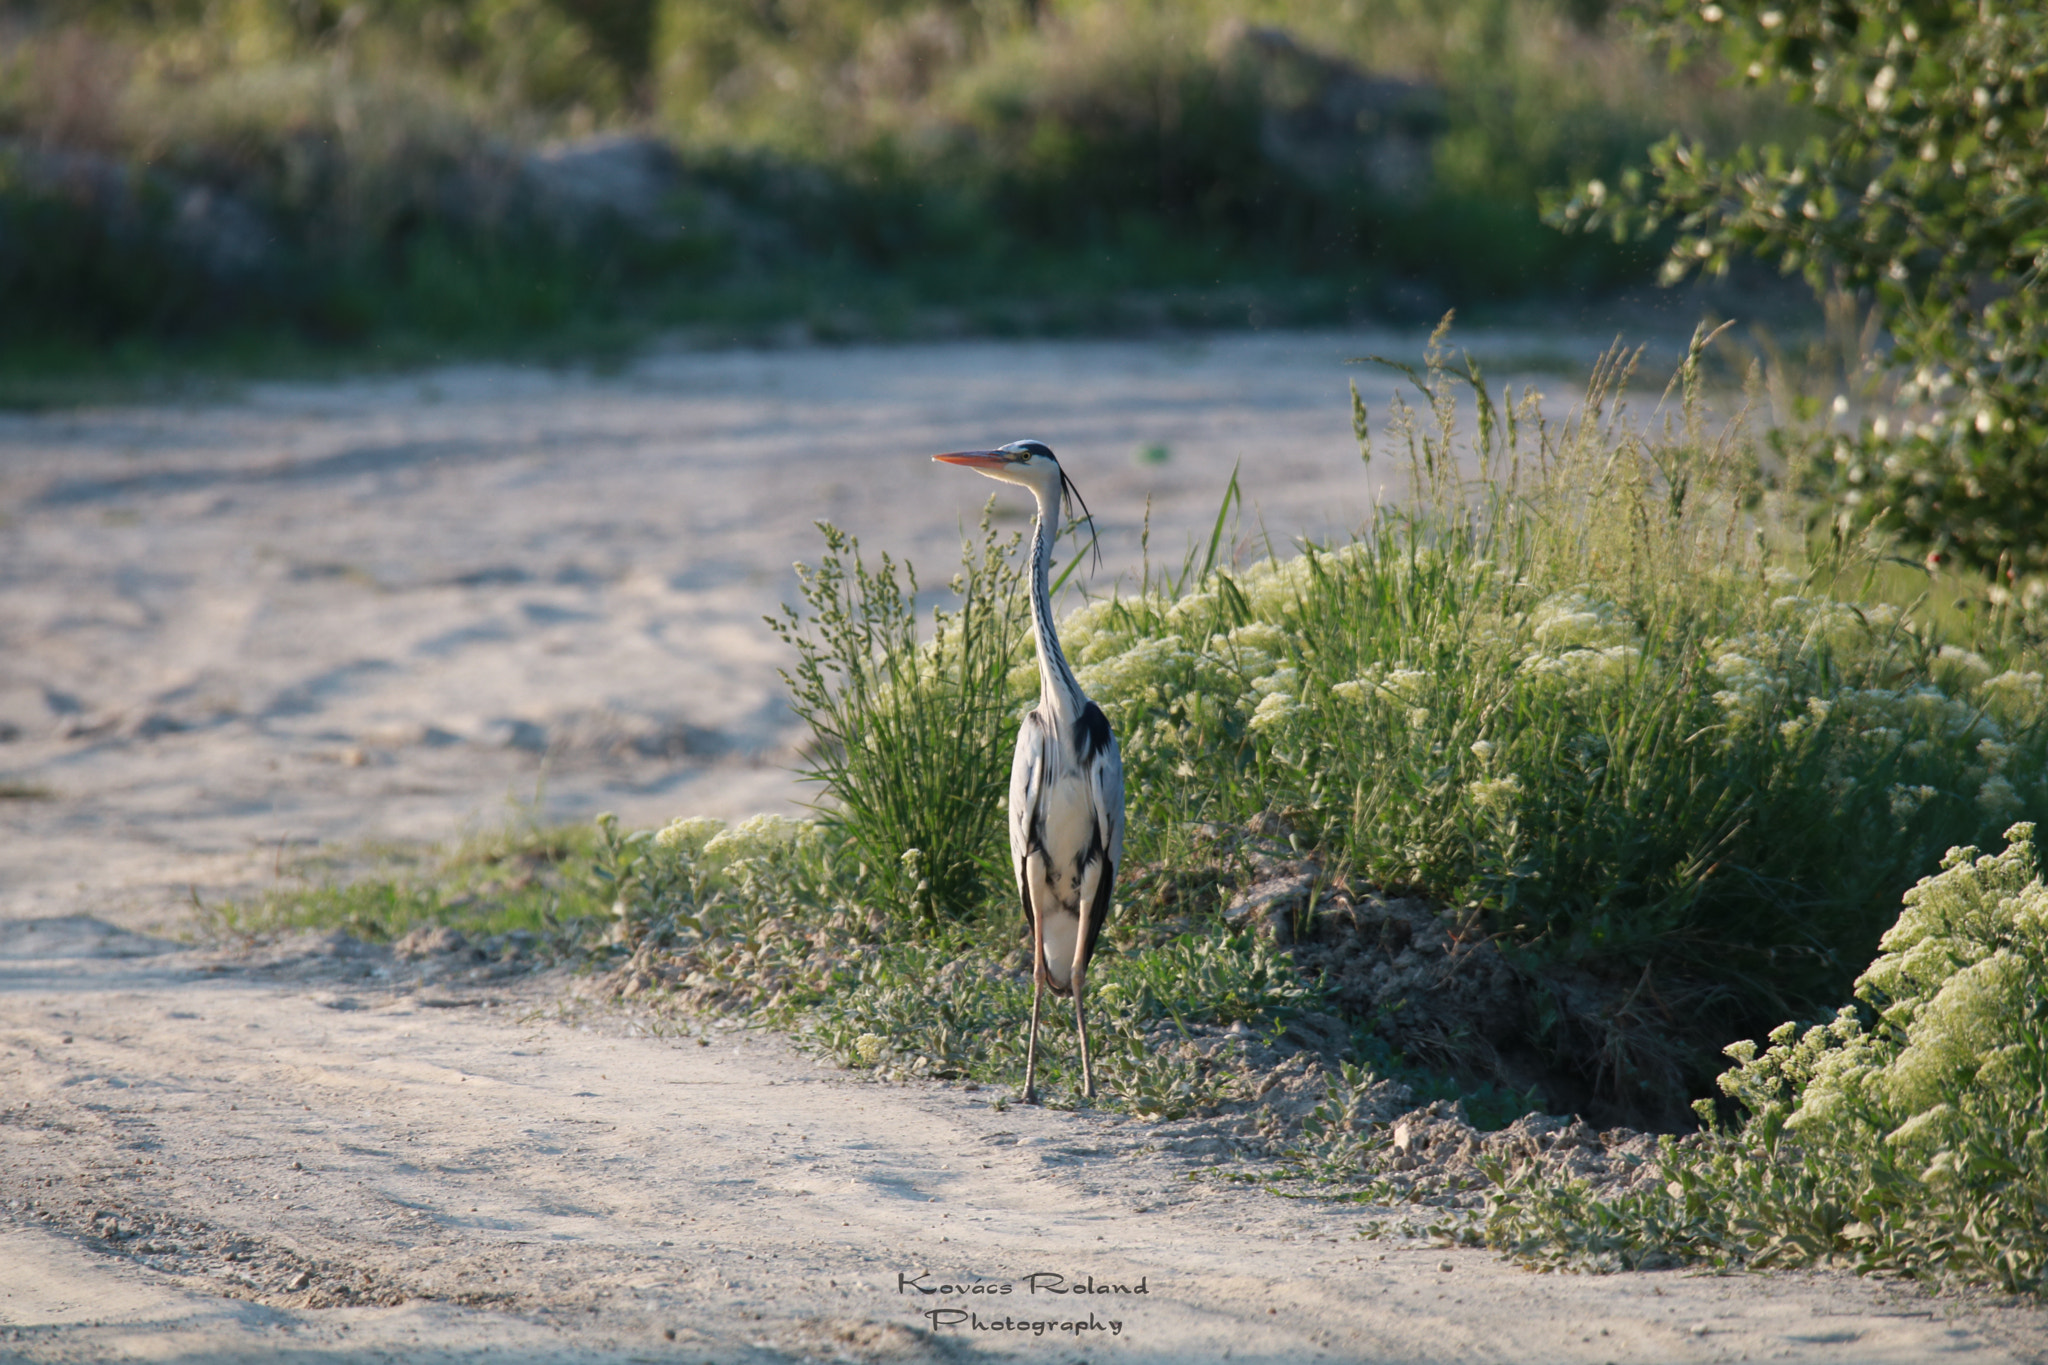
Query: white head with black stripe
(1030, 464)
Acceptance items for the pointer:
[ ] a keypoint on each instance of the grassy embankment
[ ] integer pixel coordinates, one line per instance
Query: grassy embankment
(1617, 709)
(273, 183)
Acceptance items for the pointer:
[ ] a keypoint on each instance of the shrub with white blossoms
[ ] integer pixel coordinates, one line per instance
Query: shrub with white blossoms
(2014, 699)
(1945, 993)
(700, 876)
(1577, 620)
(685, 837)
(1917, 1117)
(774, 839)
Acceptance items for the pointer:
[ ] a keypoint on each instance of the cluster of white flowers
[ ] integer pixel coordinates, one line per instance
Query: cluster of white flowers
(765, 838)
(1196, 606)
(1496, 794)
(1965, 711)
(1998, 797)
(1273, 587)
(1749, 690)
(1952, 967)
(1148, 680)
(1950, 984)
(1582, 670)
(1906, 801)
(1408, 684)
(689, 835)
(1586, 645)
(1573, 620)
(1277, 697)
(1273, 709)
(1090, 633)
(1252, 649)
(2014, 699)
(1145, 673)
(1818, 709)
(1961, 667)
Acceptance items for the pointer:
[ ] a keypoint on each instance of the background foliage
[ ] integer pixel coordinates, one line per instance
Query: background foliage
(1921, 188)
(374, 172)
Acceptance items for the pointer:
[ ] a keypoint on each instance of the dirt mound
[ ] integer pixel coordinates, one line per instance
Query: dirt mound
(1434, 1155)
(1428, 981)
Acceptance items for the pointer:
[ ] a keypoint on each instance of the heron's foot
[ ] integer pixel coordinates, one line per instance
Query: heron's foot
(1030, 1095)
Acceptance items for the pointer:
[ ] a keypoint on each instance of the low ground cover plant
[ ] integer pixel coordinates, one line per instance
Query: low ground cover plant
(525, 878)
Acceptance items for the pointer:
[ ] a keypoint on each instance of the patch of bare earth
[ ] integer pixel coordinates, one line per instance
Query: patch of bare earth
(336, 1152)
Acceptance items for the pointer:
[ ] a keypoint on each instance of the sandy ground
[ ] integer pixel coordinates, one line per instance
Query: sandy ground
(314, 1155)
(377, 609)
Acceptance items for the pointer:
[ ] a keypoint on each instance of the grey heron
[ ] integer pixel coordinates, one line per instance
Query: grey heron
(1066, 783)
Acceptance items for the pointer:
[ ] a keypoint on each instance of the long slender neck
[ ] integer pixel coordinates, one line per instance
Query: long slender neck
(1057, 690)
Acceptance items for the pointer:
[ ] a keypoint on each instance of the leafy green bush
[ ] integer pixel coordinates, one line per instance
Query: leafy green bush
(1905, 1135)
(911, 742)
(1921, 187)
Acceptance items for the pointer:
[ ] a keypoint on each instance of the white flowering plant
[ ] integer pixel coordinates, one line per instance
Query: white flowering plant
(1906, 1134)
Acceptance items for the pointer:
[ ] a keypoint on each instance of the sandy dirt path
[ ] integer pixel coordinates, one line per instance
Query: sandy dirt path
(323, 614)
(314, 1155)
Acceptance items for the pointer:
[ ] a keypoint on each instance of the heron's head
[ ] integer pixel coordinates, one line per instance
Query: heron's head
(1029, 463)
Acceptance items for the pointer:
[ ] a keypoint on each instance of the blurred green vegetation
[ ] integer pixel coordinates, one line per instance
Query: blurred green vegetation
(1918, 189)
(388, 173)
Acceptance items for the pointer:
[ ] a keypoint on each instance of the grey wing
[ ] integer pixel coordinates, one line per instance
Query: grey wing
(1106, 793)
(1108, 780)
(1027, 777)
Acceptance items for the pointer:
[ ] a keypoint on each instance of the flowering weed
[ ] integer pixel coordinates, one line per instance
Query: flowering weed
(1904, 1135)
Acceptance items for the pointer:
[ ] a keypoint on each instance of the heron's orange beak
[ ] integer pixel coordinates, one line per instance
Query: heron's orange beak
(975, 459)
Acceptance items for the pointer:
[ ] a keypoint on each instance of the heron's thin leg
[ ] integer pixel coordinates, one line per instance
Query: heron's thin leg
(1081, 1027)
(1037, 991)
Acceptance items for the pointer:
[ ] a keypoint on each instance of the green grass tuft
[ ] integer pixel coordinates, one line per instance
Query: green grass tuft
(523, 878)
